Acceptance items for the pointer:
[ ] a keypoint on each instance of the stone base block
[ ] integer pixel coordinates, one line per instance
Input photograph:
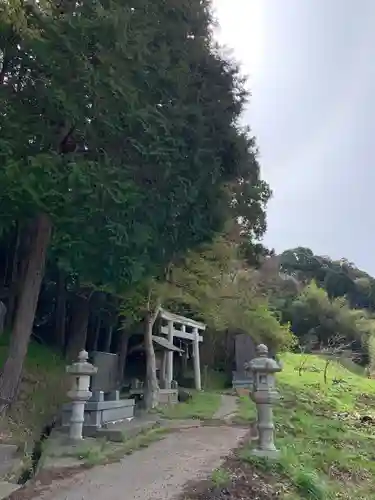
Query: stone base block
(6, 489)
(271, 454)
(241, 381)
(168, 396)
(99, 413)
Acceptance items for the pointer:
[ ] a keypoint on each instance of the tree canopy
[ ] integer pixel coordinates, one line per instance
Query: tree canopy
(339, 278)
(120, 139)
(331, 298)
(121, 122)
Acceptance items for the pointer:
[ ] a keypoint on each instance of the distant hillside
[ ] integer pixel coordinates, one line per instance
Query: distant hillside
(338, 277)
(327, 303)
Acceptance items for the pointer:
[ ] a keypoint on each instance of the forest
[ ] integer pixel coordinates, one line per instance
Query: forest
(128, 183)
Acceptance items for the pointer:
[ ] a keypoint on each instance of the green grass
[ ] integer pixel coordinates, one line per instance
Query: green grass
(202, 406)
(101, 451)
(220, 477)
(326, 452)
(43, 389)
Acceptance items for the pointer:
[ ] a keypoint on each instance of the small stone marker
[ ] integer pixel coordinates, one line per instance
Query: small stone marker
(262, 370)
(80, 393)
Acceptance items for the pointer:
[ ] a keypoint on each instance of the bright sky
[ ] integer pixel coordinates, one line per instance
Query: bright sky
(311, 67)
(250, 27)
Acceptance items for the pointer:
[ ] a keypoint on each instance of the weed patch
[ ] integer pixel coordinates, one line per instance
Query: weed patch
(221, 477)
(42, 391)
(326, 445)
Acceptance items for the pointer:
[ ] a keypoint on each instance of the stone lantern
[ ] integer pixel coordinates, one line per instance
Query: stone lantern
(79, 393)
(262, 371)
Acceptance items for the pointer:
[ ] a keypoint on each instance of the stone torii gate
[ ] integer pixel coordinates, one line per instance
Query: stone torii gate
(188, 330)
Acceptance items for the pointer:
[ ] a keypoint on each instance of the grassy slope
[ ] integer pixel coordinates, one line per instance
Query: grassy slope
(326, 452)
(203, 405)
(42, 390)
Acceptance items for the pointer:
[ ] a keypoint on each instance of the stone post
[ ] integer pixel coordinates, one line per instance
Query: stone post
(264, 394)
(79, 393)
(169, 368)
(163, 370)
(196, 359)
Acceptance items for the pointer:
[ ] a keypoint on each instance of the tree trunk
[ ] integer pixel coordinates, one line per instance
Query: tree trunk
(8, 253)
(97, 332)
(13, 287)
(3, 311)
(108, 339)
(78, 327)
(122, 355)
(60, 311)
(113, 322)
(26, 307)
(151, 385)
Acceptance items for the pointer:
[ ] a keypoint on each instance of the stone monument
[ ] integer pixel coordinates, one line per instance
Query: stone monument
(105, 379)
(262, 371)
(244, 350)
(104, 405)
(79, 393)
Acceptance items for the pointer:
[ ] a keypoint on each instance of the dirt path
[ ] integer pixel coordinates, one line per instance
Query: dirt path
(159, 472)
(227, 408)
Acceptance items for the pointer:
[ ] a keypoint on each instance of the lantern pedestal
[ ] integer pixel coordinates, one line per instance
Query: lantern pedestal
(266, 429)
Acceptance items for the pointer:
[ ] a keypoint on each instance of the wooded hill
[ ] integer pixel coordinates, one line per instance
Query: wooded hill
(323, 299)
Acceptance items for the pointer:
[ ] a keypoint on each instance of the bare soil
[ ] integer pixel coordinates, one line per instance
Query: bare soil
(245, 483)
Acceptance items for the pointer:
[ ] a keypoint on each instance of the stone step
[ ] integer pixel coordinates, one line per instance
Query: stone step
(174, 424)
(8, 467)
(121, 431)
(9, 462)
(7, 488)
(7, 451)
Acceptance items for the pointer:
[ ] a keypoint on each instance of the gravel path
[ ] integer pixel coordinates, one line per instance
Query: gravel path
(158, 472)
(228, 406)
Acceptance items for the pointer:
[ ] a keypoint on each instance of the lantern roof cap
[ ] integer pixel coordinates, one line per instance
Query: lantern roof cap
(262, 362)
(82, 366)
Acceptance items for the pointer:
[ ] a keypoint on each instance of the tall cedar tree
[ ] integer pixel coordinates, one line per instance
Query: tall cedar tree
(118, 137)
